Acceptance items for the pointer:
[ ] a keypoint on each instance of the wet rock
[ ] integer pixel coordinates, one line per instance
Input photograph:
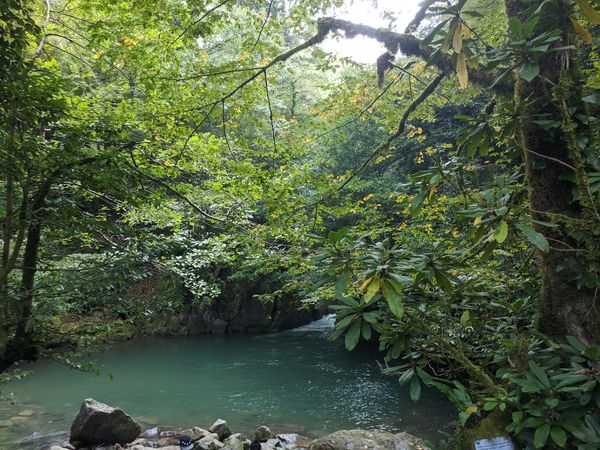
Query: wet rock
(272, 444)
(150, 432)
(18, 419)
(142, 442)
(219, 326)
(26, 413)
(290, 440)
(367, 440)
(142, 447)
(234, 442)
(98, 423)
(5, 423)
(196, 433)
(221, 429)
(262, 433)
(208, 443)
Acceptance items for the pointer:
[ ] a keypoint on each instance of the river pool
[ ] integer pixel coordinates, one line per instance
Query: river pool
(296, 381)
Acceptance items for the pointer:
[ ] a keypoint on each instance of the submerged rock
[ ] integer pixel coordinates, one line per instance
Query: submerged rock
(98, 423)
(221, 429)
(367, 440)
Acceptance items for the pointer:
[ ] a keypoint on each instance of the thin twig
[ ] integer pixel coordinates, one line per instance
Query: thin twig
(401, 126)
(262, 27)
(223, 124)
(271, 118)
(196, 22)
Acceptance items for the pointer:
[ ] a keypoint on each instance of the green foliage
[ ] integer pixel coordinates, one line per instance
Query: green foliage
(552, 392)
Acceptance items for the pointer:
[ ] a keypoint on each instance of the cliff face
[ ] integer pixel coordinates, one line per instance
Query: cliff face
(237, 310)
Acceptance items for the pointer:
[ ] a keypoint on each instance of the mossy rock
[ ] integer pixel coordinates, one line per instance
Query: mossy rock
(493, 425)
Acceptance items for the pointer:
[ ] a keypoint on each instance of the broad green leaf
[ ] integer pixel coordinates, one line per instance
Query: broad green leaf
(515, 27)
(341, 283)
(534, 237)
(529, 71)
(559, 436)
(406, 376)
(501, 232)
(394, 299)
(417, 202)
(540, 374)
(464, 318)
(345, 322)
(415, 388)
(402, 279)
(443, 281)
(365, 330)
(541, 436)
(353, 335)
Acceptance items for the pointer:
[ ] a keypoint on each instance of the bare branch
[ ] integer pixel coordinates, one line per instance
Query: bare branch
(196, 22)
(262, 27)
(271, 117)
(38, 50)
(385, 145)
(416, 21)
(175, 193)
(224, 126)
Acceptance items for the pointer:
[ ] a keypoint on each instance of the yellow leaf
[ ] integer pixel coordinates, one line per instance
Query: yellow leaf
(372, 289)
(466, 31)
(365, 284)
(581, 31)
(471, 409)
(461, 71)
(588, 11)
(457, 39)
(477, 221)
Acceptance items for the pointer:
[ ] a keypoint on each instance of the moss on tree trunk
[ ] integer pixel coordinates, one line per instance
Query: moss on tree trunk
(555, 171)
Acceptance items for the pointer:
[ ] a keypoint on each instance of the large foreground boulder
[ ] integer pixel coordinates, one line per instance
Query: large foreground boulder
(367, 440)
(98, 423)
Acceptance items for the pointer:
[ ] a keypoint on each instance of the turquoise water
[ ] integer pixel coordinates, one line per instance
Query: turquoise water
(295, 381)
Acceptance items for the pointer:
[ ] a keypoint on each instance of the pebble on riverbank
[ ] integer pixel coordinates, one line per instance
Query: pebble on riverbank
(115, 430)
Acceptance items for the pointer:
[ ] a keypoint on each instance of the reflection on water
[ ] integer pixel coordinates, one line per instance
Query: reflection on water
(296, 381)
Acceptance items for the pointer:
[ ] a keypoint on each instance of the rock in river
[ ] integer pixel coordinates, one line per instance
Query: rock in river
(98, 423)
(367, 440)
(262, 434)
(221, 429)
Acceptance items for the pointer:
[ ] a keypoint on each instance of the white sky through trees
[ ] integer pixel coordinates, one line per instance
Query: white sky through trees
(373, 13)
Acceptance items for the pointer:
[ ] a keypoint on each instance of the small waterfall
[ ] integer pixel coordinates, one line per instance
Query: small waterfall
(324, 325)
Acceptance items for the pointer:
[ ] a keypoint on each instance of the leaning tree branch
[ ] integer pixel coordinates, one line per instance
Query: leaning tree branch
(175, 193)
(385, 145)
(416, 21)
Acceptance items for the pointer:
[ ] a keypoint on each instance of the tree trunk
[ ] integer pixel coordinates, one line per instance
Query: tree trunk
(22, 345)
(552, 159)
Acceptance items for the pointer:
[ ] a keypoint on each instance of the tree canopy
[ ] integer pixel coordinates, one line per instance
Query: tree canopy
(444, 202)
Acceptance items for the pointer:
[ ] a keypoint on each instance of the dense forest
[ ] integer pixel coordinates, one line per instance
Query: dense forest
(168, 159)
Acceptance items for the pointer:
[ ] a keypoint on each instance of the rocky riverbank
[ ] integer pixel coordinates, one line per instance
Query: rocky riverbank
(101, 427)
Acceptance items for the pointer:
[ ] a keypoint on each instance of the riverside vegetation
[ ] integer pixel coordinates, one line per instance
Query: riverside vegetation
(204, 166)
